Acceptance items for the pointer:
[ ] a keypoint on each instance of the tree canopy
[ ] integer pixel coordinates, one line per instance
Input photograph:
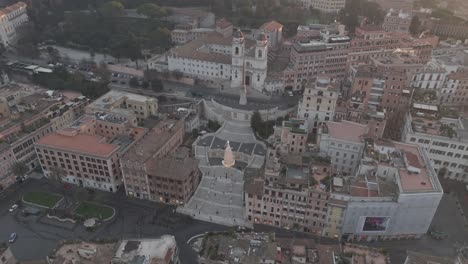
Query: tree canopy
(112, 9)
(19, 168)
(152, 11)
(354, 9)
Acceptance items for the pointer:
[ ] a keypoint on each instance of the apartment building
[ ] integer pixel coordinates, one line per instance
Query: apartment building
(11, 19)
(431, 76)
(454, 90)
(343, 142)
(151, 167)
(85, 154)
(369, 42)
(318, 102)
(443, 136)
(379, 87)
(29, 114)
(394, 194)
(397, 21)
(293, 136)
(134, 107)
(330, 6)
(288, 195)
(336, 211)
(353, 110)
(375, 43)
(310, 58)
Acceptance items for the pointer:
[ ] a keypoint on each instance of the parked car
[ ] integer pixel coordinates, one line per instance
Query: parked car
(13, 208)
(12, 238)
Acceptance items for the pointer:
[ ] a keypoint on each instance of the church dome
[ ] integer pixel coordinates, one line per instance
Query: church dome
(238, 34)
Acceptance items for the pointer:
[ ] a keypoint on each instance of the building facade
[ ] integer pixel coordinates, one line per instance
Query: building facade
(397, 21)
(445, 139)
(343, 143)
(394, 194)
(293, 136)
(309, 59)
(11, 19)
(146, 177)
(318, 102)
(287, 197)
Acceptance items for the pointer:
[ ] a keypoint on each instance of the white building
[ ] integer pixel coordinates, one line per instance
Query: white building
(318, 103)
(394, 195)
(445, 139)
(343, 143)
(398, 21)
(432, 76)
(11, 18)
(158, 250)
(223, 60)
(327, 6)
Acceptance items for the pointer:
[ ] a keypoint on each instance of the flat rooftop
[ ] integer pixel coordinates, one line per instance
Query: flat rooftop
(145, 250)
(152, 142)
(410, 181)
(170, 167)
(438, 121)
(296, 126)
(89, 144)
(113, 98)
(346, 131)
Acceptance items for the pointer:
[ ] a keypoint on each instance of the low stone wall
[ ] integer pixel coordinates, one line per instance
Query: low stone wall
(61, 219)
(225, 112)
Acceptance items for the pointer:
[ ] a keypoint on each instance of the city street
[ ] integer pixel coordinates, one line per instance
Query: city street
(138, 218)
(134, 219)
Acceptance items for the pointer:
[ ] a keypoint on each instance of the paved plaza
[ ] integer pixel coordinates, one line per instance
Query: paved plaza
(219, 196)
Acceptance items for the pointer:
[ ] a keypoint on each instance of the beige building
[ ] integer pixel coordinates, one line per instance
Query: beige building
(293, 136)
(12, 18)
(343, 143)
(86, 155)
(311, 58)
(288, 195)
(397, 20)
(318, 102)
(29, 114)
(125, 104)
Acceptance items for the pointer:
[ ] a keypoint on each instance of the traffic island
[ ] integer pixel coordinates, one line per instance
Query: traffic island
(42, 199)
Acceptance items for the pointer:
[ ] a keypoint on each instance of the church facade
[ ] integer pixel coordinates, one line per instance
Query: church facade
(228, 61)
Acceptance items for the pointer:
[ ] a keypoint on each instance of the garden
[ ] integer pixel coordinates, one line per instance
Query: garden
(42, 199)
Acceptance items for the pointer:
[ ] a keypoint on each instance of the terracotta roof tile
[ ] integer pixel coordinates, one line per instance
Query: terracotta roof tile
(80, 143)
(271, 26)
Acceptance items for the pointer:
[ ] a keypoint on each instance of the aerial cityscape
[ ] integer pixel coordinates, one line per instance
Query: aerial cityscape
(234, 131)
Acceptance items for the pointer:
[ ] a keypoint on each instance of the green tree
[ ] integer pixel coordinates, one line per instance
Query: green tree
(256, 121)
(157, 85)
(112, 9)
(415, 25)
(57, 174)
(134, 82)
(19, 168)
(152, 11)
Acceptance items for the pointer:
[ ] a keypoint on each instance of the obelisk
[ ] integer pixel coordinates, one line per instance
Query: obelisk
(243, 88)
